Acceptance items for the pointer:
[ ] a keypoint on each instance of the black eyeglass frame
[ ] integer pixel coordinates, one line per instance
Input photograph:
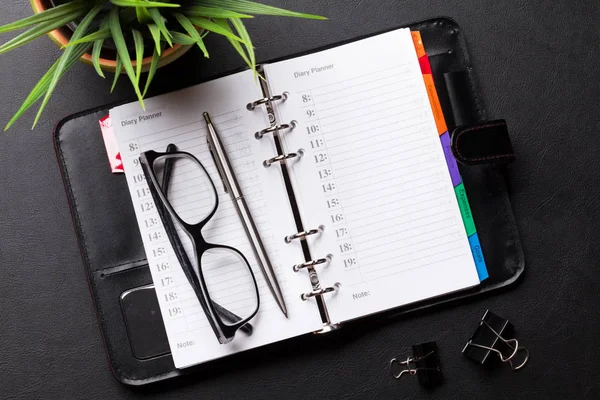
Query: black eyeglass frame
(225, 333)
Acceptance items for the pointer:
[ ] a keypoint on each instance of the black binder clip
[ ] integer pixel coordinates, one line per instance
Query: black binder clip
(425, 363)
(490, 338)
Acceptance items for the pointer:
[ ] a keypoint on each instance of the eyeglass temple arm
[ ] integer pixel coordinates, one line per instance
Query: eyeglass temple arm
(231, 317)
(222, 311)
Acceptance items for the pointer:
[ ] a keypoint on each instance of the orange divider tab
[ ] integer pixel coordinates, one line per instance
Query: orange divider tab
(436, 107)
(416, 36)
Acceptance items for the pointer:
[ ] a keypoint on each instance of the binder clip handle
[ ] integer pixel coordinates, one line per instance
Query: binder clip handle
(424, 363)
(511, 344)
(488, 339)
(411, 366)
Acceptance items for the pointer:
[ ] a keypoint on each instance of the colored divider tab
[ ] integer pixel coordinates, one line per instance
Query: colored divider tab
(418, 42)
(465, 209)
(450, 160)
(436, 107)
(459, 188)
(478, 257)
(434, 100)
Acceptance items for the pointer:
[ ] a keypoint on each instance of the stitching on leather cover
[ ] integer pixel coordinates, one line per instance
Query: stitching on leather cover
(122, 264)
(464, 56)
(517, 253)
(70, 190)
(65, 170)
(514, 248)
(115, 367)
(473, 128)
(464, 53)
(78, 224)
(474, 92)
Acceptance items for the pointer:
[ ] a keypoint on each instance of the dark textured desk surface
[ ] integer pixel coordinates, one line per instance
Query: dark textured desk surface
(537, 62)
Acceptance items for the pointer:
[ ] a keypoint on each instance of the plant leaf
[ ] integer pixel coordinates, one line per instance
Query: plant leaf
(96, 50)
(40, 30)
(243, 33)
(118, 69)
(117, 34)
(214, 27)
(142, 15)
(192, 31)
(182, 38)
(101, 34)
(146, 3)
(155, 32)
(152, 70)
(251, 7)
(159, 20)
(42, 86)
(213, 12)
(139, 54)
(50, 14)
(236, 45)
(82, 27)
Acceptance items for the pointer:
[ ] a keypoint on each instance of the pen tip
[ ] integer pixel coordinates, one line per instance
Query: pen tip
(206, 117)
(284, 310)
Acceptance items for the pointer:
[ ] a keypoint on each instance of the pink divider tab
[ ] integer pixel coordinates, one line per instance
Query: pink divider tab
(112, 148)
(450, 160)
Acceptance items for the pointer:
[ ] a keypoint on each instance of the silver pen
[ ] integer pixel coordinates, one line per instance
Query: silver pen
(231, 186)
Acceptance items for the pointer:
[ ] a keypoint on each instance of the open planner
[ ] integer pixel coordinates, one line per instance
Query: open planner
(381, 194)
(363, 172)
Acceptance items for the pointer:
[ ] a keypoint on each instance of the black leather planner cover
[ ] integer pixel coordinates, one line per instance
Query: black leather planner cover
(113, 254)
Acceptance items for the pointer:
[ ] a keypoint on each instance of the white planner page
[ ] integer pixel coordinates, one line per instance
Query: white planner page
(177, 118)
(374, 174)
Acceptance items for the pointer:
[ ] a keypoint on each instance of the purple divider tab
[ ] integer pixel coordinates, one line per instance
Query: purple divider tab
(450, 160)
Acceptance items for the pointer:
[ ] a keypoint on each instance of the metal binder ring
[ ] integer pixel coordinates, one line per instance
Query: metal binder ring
(265, 100)
(304, 235)
(313, 263)
(282, 158)
(319, 292)
(290, 126)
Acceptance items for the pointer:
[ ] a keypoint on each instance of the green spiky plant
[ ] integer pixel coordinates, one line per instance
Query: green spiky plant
(133, 27)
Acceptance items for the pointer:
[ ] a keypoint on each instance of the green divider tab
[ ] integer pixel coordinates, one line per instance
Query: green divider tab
(465, 209)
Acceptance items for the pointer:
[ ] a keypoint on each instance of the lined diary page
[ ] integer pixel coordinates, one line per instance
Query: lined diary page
(374, 174)
(177, 118)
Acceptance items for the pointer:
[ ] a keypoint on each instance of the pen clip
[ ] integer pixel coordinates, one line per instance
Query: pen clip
(217, 163)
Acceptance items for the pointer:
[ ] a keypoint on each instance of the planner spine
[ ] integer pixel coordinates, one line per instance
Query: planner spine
(318, 291)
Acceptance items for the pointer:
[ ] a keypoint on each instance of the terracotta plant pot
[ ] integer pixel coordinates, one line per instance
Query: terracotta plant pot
(62, 35)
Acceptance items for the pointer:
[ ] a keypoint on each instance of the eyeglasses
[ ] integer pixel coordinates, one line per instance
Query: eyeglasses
(220, 275)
